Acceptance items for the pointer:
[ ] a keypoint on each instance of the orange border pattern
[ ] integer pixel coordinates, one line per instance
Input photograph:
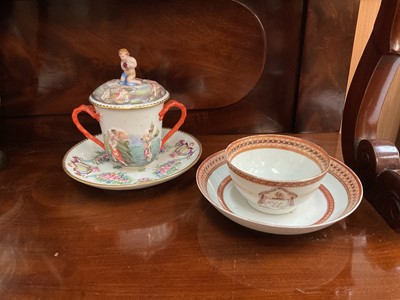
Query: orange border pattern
(220, 191)
(206, 168)
(325, 192)
(340, 171)
(301, 146)
(350, 181)
(331, 204)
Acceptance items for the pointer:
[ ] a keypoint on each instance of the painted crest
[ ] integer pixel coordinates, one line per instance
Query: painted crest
(277, 198)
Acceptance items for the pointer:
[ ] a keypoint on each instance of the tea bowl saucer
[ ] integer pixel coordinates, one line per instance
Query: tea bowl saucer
(338, 196)
(87, 163)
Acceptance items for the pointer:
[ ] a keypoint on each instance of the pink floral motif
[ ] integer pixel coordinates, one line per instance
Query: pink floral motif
(113, 178)
(167, 168)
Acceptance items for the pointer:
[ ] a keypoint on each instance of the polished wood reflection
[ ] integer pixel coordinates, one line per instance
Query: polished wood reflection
(242, 67)
(62, 239)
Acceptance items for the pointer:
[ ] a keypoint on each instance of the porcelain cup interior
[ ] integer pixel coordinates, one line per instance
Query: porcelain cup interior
(276, 173)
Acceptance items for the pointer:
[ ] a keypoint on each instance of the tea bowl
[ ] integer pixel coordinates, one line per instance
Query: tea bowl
(276, 173)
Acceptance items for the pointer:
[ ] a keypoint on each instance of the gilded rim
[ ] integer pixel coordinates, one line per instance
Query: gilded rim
(135, 185)
(129, 106)
(275, 141)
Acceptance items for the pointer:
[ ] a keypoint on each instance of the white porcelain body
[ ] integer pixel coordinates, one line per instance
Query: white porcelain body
(276, 173)
(141, 127)
(132, 133)
(341, 195)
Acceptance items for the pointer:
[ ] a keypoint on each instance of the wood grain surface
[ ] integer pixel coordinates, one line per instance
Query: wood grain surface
(62, 239)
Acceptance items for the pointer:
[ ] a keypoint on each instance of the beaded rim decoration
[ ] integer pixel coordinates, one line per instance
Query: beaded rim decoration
(161, 100)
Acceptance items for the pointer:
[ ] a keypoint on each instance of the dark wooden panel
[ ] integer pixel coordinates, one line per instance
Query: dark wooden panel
(206, 53)
(328, 42)
(276, 91)
(56, 54)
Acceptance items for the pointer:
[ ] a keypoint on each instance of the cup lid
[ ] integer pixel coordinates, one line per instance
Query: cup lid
(128, 91)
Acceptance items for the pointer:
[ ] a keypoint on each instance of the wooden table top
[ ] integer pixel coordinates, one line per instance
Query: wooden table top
(62, 239)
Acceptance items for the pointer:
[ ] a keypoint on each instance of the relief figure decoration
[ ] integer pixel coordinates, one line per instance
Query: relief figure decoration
(147, 139)
(116, 142)
(128, 66)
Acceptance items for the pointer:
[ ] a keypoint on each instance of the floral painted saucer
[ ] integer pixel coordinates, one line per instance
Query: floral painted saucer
(339, 195)
(86, 162)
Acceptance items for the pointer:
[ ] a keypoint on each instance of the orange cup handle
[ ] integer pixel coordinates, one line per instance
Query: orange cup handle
(90, 110)
(167, 106)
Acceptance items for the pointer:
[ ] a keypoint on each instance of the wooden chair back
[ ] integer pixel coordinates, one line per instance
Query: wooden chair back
(371, 117)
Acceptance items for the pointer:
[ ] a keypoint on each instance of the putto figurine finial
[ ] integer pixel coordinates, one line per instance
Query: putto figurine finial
(128, 65)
